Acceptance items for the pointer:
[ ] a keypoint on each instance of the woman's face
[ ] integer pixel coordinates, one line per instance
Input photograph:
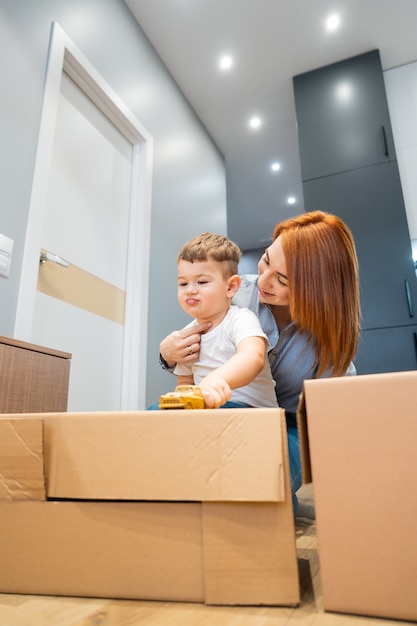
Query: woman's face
(273, 282)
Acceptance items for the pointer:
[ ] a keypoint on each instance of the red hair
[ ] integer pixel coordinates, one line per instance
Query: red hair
(323, 284)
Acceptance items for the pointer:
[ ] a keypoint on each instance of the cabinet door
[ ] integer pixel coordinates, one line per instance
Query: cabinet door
(342, 116)
(387, 350)
(370, 201)
(32, 378)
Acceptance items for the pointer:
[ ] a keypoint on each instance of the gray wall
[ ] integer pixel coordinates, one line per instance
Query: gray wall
(189, 186)
(250, 259)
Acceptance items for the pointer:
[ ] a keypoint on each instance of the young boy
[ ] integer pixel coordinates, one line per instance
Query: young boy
(232, 363)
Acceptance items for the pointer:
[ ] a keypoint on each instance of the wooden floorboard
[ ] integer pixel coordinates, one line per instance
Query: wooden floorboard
(21, 610)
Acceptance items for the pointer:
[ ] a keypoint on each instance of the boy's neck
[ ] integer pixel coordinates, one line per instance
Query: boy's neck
(214, 320)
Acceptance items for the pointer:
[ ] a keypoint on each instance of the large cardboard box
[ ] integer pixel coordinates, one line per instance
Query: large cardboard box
(180, 505)
(359, 447)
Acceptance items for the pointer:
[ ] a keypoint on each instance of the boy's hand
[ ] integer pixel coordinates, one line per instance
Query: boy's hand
(183, 346)
(216, 390)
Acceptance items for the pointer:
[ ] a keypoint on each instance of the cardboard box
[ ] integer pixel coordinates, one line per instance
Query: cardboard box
(360, 433)
(102, 549)
(224, 455)
(207, 515)
(22, 475)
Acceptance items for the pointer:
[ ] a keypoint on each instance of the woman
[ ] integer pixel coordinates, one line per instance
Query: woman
(307, 300)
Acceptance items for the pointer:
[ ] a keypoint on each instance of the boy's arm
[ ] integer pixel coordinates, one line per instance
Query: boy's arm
(238, 371)
(185, 380)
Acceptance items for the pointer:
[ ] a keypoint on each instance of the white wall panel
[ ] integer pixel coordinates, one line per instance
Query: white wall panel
(401, 88)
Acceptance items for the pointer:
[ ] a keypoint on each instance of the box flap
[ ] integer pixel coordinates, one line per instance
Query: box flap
(200, 455)
(21, 459)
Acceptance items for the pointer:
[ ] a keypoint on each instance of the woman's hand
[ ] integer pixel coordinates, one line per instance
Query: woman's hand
(183, 346)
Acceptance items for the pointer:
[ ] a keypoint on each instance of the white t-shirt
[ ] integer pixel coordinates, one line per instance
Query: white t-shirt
(219, 344)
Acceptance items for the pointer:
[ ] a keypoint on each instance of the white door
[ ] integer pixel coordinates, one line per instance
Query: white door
(80, 309)
(93, 178)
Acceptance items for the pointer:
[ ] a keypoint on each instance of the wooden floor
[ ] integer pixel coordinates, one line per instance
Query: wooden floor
(19, 610)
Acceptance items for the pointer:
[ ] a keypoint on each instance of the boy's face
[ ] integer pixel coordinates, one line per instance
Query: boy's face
(203, 292)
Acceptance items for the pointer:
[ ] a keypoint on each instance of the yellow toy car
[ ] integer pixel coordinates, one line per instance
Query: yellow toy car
(184, 397)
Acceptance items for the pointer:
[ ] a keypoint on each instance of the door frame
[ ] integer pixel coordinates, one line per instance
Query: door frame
(64, 56)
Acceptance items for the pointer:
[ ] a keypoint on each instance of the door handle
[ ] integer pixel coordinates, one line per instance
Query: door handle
(53, 258)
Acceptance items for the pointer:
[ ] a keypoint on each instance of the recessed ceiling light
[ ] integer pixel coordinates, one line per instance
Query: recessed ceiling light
(225, 62)
(275, 167)
(333, 22)
(291, 200)
(255, 122)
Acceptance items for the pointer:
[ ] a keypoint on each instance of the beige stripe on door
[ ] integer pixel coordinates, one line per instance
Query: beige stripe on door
(75, 286)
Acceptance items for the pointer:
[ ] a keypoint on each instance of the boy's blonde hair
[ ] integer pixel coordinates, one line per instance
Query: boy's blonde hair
(210, 247)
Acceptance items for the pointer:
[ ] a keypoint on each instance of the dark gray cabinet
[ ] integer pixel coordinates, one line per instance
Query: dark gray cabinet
(349, 168)
(343, 118)
(387, 349)
(369, 200)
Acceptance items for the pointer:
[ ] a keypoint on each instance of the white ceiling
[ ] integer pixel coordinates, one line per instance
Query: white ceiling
(271, 41)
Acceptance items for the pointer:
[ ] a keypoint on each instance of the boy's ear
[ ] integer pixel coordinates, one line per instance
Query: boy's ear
(233, 286)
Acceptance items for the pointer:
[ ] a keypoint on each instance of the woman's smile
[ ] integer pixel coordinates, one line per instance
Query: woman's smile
(264, 294)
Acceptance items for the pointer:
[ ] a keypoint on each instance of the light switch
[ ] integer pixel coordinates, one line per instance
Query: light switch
(6, 251)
